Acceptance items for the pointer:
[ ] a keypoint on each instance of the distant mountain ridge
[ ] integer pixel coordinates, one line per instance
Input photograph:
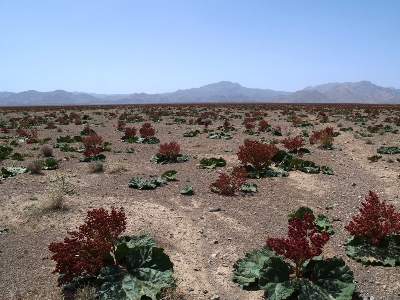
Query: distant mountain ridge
(221, 92)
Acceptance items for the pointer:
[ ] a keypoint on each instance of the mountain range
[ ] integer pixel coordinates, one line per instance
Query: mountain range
(221, 92)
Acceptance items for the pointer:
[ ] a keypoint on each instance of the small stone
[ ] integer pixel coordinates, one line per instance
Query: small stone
(215, 297)
(214, 209)
(215, 242)
(205, 292)
(190, 289)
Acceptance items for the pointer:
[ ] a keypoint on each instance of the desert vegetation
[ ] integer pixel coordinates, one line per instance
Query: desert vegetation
(200, 202)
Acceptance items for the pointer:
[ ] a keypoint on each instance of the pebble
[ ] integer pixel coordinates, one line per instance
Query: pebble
(215, 297)
(214, 209)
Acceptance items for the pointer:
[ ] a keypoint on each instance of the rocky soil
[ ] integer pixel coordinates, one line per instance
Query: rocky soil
(205, 233)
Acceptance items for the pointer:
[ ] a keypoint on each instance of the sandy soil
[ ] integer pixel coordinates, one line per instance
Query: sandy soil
(202, 244)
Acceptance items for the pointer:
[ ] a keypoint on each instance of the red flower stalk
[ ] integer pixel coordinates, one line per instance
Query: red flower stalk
(263, 125)
(88, 249)
(146, 130)
(257, 154)
(304, 241)
(229, 184)
(293, 144)
(130, 132)
(170, 150)
(376, 221)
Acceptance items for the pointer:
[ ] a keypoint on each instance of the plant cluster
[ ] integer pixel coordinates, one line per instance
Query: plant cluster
(93, 145)
(293, 144)
(87, 250)
(256, 154)
(169, 150)
(147, 131)
(376, 220)
(228, 184)
(127, 267)
(323, 136)
(304, 241)
(310, 277)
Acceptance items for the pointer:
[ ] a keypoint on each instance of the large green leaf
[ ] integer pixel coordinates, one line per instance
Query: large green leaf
(148, 270)
(146, 184)
(211, 163)
(147, 140)
(249, 187)
(327, 170)
(275, 280)
(191, 133)
(125, 244)
(386, 254)
(220, 135)
(309, 167)
(321, 221)
(331, 279)
(170, 174)
(187, 190)
(12, 171)
(50, 164)
(247, 269)
(5, 151)
(388, 150)
(163, 159)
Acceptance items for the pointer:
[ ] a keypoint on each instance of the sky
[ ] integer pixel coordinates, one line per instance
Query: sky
(124, 47)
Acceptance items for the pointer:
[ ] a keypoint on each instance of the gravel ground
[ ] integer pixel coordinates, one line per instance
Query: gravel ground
(202, 243)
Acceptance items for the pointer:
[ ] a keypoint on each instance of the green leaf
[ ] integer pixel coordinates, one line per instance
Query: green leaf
(147, 140)
(323, 223)
(146, 184)
(247, 270)
(249, 187)
(331, 279)
(5, 151)
(187, 190)
(388, 150)
(148, 270)
(163, 159)
(124, 245)
(130, 150)
(386, 254)
(211, 163)
(309, 167)
(17, 156)
(275, 280)
(191, 133)
(327, 170)
(50, 164)
(220, 135)
(12, 171)
(93, 158)
(169, 175)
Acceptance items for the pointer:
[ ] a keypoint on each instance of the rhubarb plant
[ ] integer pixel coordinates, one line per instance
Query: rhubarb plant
(375, 233)
(146, 184)
(293, 268)
(126, 268)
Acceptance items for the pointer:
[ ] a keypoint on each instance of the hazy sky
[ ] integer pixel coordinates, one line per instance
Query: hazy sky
(160, 46)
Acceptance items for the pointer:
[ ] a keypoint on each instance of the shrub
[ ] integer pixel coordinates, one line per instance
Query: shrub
(228, 184)
(46, 151)
(293, 144)
(257, 154)
(96, 167)
(86, 251)
(35, 167)
(169, 150)
(376, 221)
(78, 121)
